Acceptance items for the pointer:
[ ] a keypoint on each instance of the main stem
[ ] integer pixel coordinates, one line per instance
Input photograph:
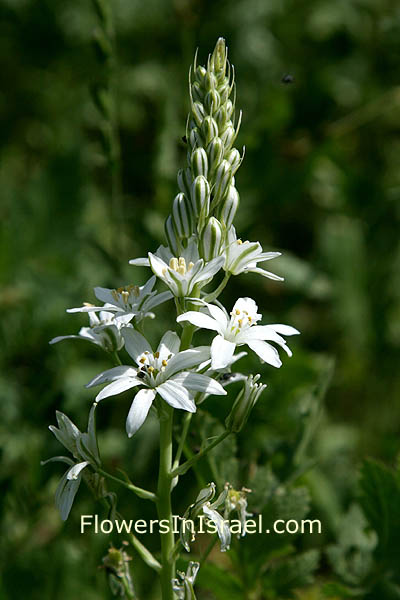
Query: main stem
(164, 503)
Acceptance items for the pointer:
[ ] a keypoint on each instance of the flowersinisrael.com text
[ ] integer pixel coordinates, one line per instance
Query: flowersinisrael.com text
(201, 525)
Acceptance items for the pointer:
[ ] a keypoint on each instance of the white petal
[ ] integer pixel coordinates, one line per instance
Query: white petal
(268, 256)
(86, 309)
(219, 315)
(117, 387)
(266, 352)
(112, 375)
(60, 338)
(135, 343)
(105, 295)
(157, 265)
(169, 343)
(210, 269)
(138, 411)
(140, 262)
(74, 472)
(156, 300)
(176, 395)
(199, 383)
(201, 320)
(260, 332)
(186, 360)
(221, 352)
(265, 273)
(284, 329)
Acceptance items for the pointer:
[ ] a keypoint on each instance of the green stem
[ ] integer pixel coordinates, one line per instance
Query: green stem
(186, 424)
(117, 358)
(145, 554)
(186, 465)
(130, 486)
(214, 295)
(164, 503)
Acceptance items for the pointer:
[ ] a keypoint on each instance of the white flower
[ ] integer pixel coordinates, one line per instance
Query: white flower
(162, 372)
(104, 331)
(183, 273)
(127, 302)
(242, 257)
(237, 329)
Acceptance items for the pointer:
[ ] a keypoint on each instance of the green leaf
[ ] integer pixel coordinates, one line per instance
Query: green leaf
(292, 573)
(220, 582)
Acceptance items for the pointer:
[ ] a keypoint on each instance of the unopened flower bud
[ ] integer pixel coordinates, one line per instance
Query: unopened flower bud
(221, 117)
(195, 138)
(200, 195)
(210, 239)
(185, 181)
(234, 158)
(197, 93)
(182, 216)
(210, 81)
(200, 74)
(171, 235)
(209, 129)
(228, 135)
(199, 162)
(198, 113)
(244, 404)
(228, 207)
(219, 56)
(223, 176)
(215, 151)
(212, 101)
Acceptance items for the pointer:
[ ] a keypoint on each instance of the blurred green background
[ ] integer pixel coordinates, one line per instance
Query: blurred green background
(320, 182)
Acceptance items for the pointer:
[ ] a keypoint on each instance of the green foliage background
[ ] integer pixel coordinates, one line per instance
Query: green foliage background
(320, 181)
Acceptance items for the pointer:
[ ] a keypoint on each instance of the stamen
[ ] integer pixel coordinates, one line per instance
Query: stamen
(173, 263)
(182, 270)
(190, 266)
(164, 270)
(237, 312)
(150, 369)
(239, 242)
(156, 355)
(142, 360)
(240, 321)
(87, 304)
(164, 363)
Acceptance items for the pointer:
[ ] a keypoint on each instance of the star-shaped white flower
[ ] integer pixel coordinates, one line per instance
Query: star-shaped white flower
(238, 328)
(163, 372)
(127, 302)
(242, 257)
(104, 331)
(181, 273)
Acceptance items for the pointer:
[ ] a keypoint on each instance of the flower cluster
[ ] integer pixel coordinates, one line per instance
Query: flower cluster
(201, 244)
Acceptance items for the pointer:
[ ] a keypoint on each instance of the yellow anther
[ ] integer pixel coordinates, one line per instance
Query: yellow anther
(249, 318)
(239, 242)
(156, 355)
(237, 312)
(190, 266)
(125, 296)
(164, 363)
(120, 290)
(181, 270)
(150, 369)
(164, 271)
(173, 263)
(87, 304)
(142, 360)
(182, 262)
(146, 352)
(240, 321)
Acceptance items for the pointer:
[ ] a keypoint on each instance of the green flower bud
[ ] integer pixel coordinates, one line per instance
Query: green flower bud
(229, 207)
(229, 107)
(195, 138)
(221, 117)
(244, 404)
(224, 92)
(211, 239)
(200, 75)
(200, 196)
(171, 236)
(185, 181)
(182, 216)
(219, 57)
(233, 157)
(199, 162)
(198, 113)
(197, 93)
(212, 101)
(228, 135)
(223, 177)
(210, 81)
(215, 151)
(209, 129)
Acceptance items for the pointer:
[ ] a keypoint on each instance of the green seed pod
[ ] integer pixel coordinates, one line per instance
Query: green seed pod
(185, 181)
(182, 216)
(228, 207)
(211, 239)
(209, 129)
(171, 236)
(199, 162)
(223, 177)
(200, 196)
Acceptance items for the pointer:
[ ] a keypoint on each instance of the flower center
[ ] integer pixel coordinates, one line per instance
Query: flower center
(151, 366)
(124, 293)
(179, 265)
(240, 321)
